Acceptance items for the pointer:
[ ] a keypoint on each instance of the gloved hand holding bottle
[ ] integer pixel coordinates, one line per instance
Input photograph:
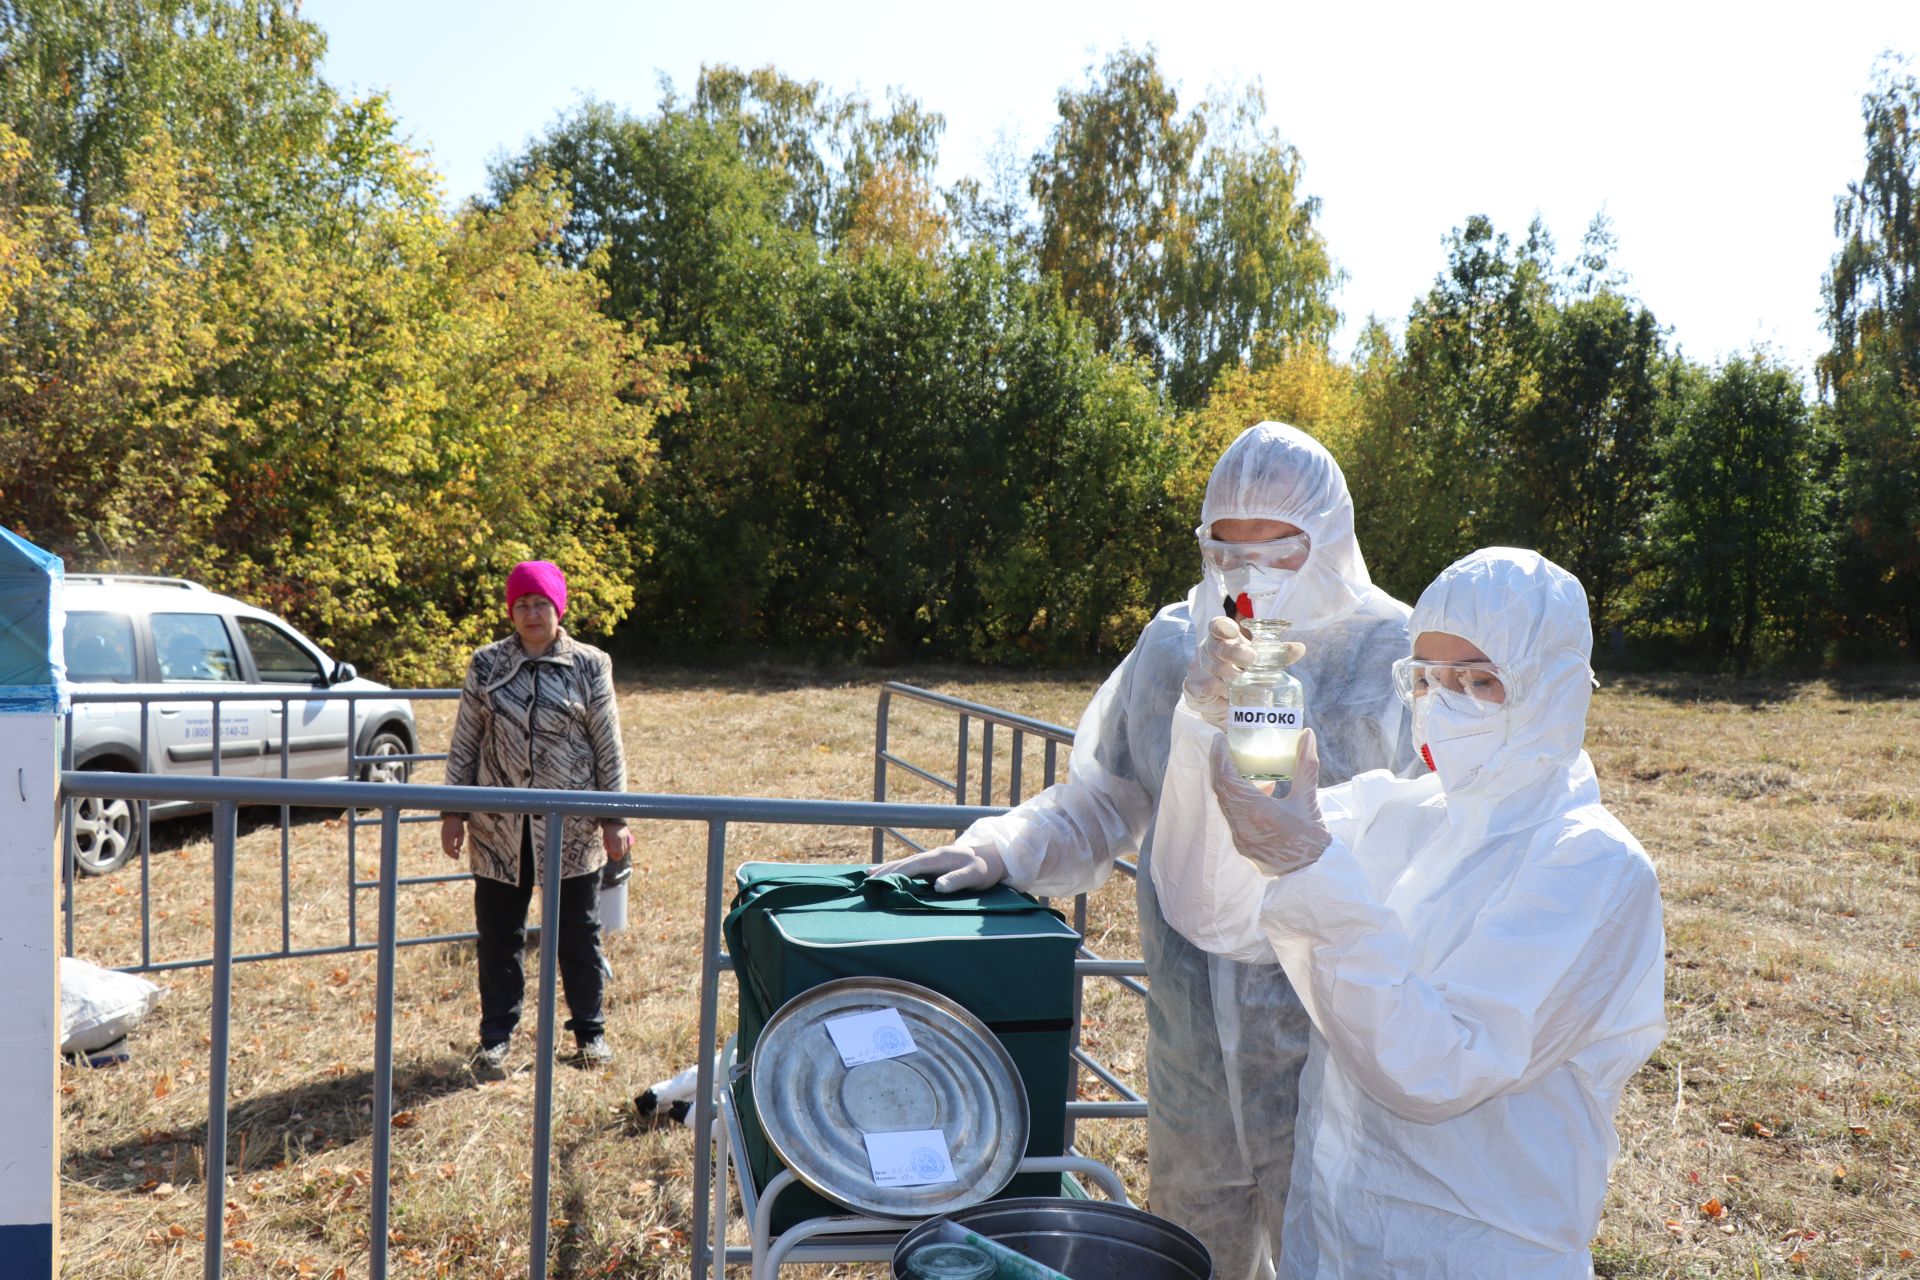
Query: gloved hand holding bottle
(1278, 834)
(1223, 653)
(1218, 659)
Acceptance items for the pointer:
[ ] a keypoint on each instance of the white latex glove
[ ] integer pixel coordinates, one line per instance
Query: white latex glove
(1222, 654)
(1277, 835)
(1218, 659)
(957, 866)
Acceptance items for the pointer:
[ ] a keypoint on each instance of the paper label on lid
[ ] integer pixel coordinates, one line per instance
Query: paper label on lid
(909, 1158)
(870, 1036)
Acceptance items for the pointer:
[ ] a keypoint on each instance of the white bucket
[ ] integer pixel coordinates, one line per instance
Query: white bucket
(613, 895)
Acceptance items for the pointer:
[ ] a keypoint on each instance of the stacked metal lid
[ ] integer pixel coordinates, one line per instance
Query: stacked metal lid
(889, 1098)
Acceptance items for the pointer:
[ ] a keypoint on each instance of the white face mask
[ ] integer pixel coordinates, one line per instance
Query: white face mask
(1251, 590)
(1457, 736)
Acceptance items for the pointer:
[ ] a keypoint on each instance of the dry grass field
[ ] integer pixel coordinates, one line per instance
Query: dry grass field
(1773, 1135)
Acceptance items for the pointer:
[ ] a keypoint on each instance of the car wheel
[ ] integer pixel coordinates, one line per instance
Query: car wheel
(386, 743)
(106, 833)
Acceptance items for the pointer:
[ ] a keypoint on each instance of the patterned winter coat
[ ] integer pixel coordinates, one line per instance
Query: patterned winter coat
(547, 722)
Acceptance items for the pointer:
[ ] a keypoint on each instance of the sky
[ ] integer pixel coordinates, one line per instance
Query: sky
(1715, 137)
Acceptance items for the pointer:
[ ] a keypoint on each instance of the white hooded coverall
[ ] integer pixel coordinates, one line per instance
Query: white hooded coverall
(1226, 1039)
(1483, 967)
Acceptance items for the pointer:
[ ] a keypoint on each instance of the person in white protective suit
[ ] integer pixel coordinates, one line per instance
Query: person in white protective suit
(1480, 949)
(1226, 1039)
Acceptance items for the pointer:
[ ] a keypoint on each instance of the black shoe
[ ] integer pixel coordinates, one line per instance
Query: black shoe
(595, 1052)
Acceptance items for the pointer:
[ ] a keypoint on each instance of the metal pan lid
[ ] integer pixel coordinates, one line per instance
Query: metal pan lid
(819, 1114)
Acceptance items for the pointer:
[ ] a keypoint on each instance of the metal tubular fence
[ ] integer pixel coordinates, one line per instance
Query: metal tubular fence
(144, 698)
(387, 804)
(1090, 965)
(226, 795)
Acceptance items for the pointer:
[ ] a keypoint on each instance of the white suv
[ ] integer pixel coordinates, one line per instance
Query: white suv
(171, 643)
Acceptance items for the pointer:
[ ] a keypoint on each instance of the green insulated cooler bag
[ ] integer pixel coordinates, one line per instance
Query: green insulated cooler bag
(999, 953)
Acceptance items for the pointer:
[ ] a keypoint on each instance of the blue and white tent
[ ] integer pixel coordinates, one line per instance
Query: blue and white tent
(33, 671)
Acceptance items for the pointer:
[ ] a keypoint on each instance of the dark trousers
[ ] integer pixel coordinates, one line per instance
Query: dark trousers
(500, 917)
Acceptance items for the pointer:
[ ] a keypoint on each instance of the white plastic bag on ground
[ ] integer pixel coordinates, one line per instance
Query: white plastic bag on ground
(99, 1006)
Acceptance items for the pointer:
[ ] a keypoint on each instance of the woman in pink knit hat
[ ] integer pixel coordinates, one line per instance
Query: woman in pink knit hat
(537, 710)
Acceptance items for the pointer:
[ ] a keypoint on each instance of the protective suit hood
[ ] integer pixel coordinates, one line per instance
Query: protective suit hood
(1530, 616)
(1276, 472)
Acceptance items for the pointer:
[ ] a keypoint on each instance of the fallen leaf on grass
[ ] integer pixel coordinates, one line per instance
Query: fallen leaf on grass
(163, 1086)
(1797, 1256)
(404, 1119)
(1714, 1209)
(447, 1170)
(1859, 1131)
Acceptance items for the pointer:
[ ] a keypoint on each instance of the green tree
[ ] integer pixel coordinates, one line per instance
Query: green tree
(321, 393)
(1586, 460)
(945, 465)
(1871, 373)
(688, 233)
(1296, 382)
(824, 150)
(1468, 374)
(1110, 187)
(1741, 534)
(1179, 236)
(1096, 514)
(105, 449)
(1249, 264)
(1406, 529)
(1532, 393)
(231, 83)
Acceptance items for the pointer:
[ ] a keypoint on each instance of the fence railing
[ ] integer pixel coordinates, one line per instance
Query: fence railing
(1090, 964)
(388, 803)
(144, 698)
(226, 795)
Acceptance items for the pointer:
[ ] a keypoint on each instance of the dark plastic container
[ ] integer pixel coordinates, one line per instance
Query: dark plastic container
(1083, 1239)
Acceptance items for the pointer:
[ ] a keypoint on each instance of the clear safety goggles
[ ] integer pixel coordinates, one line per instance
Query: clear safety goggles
(1280, 553)
(1484, 684)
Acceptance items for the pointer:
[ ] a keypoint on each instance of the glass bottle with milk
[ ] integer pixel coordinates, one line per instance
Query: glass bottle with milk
(1266, 708)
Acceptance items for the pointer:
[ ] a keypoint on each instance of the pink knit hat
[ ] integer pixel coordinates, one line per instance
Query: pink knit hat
(538, 577)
